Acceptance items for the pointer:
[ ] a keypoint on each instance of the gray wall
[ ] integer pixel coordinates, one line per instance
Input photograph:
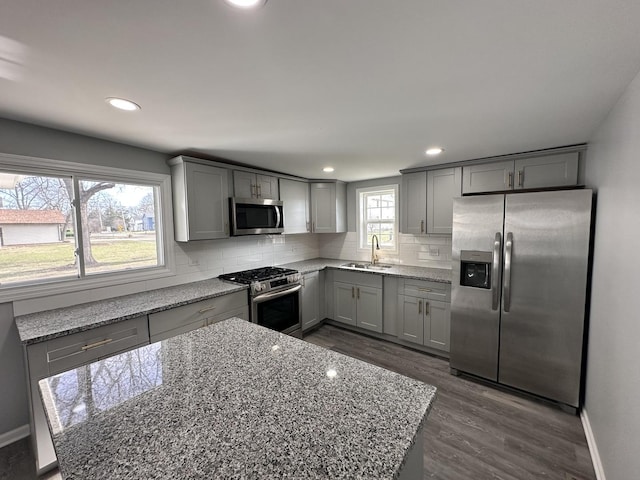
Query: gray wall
(613, 381)
(13, 403)
(29, 140)
(23, 139)
(352, 201)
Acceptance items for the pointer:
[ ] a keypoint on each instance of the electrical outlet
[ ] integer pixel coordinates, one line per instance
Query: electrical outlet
(194, 262)
(434, 251)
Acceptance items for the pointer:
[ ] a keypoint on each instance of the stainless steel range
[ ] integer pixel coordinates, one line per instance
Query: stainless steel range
(274, 294)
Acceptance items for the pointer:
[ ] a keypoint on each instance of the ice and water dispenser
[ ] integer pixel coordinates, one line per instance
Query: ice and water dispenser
(475, 268)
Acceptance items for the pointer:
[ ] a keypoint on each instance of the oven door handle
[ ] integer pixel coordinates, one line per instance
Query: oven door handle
(280, 293)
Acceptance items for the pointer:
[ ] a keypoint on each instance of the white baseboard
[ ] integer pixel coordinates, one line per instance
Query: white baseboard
(14, 435)
(593, 448)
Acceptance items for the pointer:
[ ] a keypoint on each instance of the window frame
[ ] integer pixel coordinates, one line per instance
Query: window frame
(361, 219)
(164, 225)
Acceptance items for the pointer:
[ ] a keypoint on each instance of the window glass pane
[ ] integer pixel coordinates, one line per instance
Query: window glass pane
(37, 242)
(378, 217)
(118, 226)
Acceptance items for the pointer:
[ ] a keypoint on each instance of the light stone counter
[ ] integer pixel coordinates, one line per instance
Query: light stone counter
(235, 401)
(41, 326)
(439, 275)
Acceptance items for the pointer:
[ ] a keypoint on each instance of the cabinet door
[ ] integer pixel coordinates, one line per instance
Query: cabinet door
(488, 177)
(267, 186)
(295, 198)
(437, 322)
(411, 319)
(310, 300)
(414, 203)
(550, 171)
(244, 184)
(344, 298)
(207, 201)
(323, 207)
(369, 308)
(442, 187)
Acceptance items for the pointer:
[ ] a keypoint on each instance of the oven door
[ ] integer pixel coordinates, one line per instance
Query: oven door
(278, 310)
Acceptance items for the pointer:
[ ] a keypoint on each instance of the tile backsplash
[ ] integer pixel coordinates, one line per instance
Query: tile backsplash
(209, 258)
(419, 250)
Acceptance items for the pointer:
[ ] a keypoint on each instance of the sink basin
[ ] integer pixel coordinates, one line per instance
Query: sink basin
(365, 266)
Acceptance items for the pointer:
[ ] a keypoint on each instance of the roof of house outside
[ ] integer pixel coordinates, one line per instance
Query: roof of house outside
(15, 216)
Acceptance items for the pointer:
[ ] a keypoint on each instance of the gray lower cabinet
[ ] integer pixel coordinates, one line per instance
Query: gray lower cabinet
(175, 321)
(358, 300)
(65, 353)
(559, 170)
(424, 313)
(311, 283)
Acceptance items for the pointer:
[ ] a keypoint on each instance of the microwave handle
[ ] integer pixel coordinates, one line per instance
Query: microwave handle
(278, 217)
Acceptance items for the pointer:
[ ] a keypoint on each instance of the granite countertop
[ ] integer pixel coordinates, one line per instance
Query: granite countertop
(41, 326)
(440, 275)
(233, 401)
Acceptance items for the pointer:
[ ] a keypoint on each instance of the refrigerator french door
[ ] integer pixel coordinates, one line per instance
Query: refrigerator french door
(519, 282)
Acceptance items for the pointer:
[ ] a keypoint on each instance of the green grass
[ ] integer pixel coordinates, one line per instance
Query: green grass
(39, 262)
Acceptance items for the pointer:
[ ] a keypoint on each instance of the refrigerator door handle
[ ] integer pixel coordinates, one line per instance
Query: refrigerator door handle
(507, 271)
(495, 274)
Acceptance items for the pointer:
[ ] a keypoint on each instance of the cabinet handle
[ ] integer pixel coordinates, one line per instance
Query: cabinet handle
(358, 290)
(426, 308)
(259, 187)
(421, 226)
(419, 306)
(313, 227)
(97, 344)
(308, 226)
(353, 292)
(254, 193)
(520, 178)
(226, 227)
(206, 309)
(510, 185)
(424, 289)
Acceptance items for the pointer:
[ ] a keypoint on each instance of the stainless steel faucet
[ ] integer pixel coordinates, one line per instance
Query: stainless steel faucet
(374, 257)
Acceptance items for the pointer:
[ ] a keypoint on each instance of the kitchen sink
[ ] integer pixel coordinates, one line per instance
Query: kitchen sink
(365, 266)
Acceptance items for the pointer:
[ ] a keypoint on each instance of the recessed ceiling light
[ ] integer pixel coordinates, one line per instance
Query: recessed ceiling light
(122, 104)
(245, 3)
(434, 151)
(328, 169)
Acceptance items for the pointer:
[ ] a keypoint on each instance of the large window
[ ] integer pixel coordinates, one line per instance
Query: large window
(58, 226)
(378, 215)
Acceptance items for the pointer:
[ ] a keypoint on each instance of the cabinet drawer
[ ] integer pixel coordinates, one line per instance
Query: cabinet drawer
(74, 350)
(425, 289)
(178, 317)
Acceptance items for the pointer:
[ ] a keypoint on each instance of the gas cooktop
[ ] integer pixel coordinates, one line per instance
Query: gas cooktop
(248, 277)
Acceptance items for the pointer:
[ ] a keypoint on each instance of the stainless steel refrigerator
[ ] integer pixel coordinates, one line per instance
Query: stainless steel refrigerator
(519, 283)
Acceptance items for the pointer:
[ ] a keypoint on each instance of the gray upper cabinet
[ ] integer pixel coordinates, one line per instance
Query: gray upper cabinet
(488, 177)
(550, 171)
(200, 200)
(442, 187)
(547, 171)
(328, 207)
(427, 200)
(296, 200)
(413, 203)
(254, 185)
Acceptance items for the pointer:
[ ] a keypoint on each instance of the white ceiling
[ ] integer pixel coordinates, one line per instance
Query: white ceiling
(362, 85)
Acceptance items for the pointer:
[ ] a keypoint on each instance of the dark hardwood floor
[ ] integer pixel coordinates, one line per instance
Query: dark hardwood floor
(473, 431)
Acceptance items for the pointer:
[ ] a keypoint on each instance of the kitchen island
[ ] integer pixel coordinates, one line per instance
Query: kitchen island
(235, 400)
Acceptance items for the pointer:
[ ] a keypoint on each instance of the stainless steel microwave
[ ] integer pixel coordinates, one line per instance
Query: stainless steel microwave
(253, 216)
